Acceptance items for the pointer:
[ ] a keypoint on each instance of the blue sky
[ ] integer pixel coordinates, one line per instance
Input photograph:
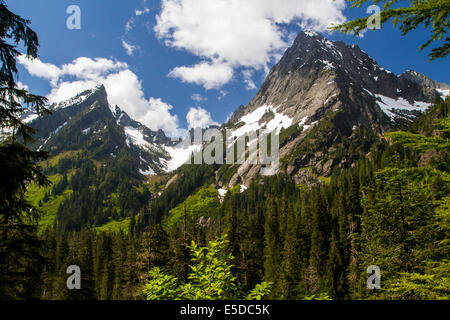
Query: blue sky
(205, 63)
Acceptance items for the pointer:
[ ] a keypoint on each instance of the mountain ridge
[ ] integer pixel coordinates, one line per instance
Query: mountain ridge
(316, 77)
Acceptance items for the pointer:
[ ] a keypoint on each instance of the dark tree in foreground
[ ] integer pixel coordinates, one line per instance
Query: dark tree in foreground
(19, 245)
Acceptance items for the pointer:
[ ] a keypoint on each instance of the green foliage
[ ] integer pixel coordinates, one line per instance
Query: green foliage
(162, 286)
(20, 249)
(289, 134)
(397, 225)
(416, 286)
(204, 202)
(405, 226)
(210, 278)
(114, 226)
(188, 179)
(226, 172)
(99, 195)
(261, 290)
(418, 13)
(318, 297)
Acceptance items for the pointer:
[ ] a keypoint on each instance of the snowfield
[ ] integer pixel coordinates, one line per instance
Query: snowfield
(388, 105)
(135, 137)
(179, 156)
(251, 122)
(443, 93)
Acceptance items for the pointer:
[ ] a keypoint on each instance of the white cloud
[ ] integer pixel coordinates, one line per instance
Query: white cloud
(222, 94)
(199, 118)
(198, 97)
(249, 83)
(129, 48)
(209, 75)
(141, 12)
(88, 68)
(123, 86)
(21, 85)
(237, 33)
(130, 25)
(37, 68)
(67, 89)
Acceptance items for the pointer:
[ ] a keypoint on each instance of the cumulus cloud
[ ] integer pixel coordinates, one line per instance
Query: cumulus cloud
(40, 69)
(87, 68)
(199, 118)
(209, 75)
(123, 86)
(237, 33)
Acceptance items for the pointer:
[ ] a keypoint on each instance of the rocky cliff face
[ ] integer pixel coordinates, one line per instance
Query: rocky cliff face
(334, 93)
(316, 75)
(422, 79)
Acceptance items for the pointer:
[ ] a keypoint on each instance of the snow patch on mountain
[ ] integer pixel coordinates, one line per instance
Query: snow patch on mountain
(443, 93)
(148, 172)
(252, 122)
(179, 156)
(135, 137)
(222, 192)
(302, 123)
(311, 33)
(59, 128)
(30, 118)
(328, 65)
(51, 135)
(388, 105)
(113, 110)
(75, 100)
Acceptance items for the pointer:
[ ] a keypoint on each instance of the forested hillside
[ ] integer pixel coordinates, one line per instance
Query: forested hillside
(390, 210)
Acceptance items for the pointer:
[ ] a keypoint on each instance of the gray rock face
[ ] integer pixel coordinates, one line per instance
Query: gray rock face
(422, 79)
(316, 75)
(157, 137)
(318, 78)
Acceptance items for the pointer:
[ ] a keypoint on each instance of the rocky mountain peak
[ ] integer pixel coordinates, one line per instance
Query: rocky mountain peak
(316, 73)
(319, 79)
(422, 79)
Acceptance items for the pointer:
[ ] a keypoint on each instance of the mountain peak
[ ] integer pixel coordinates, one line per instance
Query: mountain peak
(310, 33)
(422, 79)
(315, 68)
(96, 93)
(319, 79)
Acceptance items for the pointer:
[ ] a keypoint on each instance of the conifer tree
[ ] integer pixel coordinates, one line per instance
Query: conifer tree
(19, 245)
(431, 14)
(272, 248)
